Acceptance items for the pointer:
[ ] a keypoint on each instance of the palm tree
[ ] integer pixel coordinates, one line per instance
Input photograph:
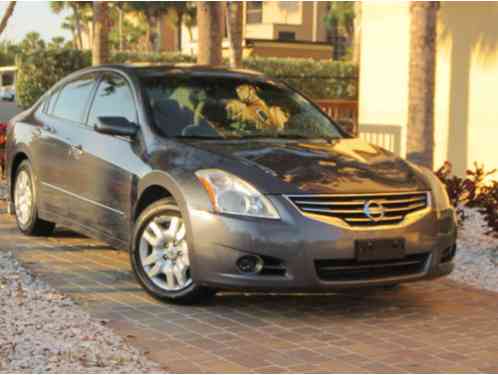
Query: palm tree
(7, 15)
(77, 7)
(341, 22)
(234, 29)
(100, 52)
(421, 85)
(209, 17)
(152, 12)
(120, 7)
(180, 8)
(190, 20)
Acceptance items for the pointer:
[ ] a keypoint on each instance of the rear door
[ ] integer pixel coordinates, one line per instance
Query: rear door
(63, 115)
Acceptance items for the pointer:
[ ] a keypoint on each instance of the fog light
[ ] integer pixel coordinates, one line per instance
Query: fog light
(250, 264)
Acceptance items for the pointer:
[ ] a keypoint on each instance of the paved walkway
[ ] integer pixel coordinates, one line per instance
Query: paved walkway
(438, 326)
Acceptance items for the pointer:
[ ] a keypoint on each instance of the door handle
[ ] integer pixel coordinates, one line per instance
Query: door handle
(49, 129)
(78, 149)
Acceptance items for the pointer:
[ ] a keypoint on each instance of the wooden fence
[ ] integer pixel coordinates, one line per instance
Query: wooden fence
(344, 112)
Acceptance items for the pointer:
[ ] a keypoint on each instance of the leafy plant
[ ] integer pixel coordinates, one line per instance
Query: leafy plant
(324, 79)
(489, 208)
(40, 68)
(475, 185)
(472, 191)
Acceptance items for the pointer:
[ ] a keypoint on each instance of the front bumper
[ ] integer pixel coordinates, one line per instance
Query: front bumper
(296, 246)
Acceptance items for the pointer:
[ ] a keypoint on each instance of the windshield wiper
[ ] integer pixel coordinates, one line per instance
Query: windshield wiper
(274, 136)
(197, 137)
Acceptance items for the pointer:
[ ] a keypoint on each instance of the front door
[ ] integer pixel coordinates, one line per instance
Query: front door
(107, 165)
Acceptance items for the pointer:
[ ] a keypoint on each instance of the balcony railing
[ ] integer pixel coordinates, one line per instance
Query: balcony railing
(344, 112)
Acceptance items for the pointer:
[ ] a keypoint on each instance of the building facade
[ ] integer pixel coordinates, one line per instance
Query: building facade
(277, 29)
(466, 114)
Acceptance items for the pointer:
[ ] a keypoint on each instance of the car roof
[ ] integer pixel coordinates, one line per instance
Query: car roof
(149, 70)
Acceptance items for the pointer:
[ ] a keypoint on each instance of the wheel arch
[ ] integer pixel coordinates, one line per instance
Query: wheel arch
(18, 158)
(153, 187)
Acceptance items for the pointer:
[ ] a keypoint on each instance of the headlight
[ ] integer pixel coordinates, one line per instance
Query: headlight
(232, 195)
(440, 199)
(440, 195)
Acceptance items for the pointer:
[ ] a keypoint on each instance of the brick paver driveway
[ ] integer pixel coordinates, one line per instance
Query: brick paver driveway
(426, 327)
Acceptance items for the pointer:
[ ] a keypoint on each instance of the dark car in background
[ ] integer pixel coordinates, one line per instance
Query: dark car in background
(219, 179)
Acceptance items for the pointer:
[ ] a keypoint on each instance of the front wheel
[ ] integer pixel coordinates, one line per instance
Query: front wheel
(160, 255)
(25, 204)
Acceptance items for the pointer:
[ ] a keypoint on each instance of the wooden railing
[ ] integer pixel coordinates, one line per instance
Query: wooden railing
(344, 112)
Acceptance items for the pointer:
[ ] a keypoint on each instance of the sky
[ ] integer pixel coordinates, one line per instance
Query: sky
(33, 16)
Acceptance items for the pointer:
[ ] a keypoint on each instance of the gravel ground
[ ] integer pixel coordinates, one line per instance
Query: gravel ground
(477, 255)
(42, 330)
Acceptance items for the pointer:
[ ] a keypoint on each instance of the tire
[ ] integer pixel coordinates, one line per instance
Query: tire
(160, 256)
(25, 203)
(391, 287)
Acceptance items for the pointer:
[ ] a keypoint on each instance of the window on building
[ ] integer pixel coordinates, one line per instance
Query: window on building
(254, 12)
(286, 35)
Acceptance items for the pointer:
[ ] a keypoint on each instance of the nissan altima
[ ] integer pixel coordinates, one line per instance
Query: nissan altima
(218, 179)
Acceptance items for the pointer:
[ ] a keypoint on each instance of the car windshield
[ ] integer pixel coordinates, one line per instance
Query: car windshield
(231, 108)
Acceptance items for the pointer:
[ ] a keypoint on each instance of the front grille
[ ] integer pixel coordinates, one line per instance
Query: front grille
(352, 270)
(351, 208)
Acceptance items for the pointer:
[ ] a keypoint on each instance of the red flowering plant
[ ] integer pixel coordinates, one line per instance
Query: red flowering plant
(3, 139)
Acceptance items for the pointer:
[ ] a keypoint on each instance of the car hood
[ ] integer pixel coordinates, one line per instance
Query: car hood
(340, 167)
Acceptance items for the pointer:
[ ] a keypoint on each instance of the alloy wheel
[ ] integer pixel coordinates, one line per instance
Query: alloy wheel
(164, 253)
(23, 197)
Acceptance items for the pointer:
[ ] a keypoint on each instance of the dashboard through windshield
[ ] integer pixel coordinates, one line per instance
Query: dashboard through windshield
(230, 108)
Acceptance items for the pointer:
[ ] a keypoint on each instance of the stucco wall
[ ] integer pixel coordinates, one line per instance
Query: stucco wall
(466, 108)
(292, 16)
(383, 92)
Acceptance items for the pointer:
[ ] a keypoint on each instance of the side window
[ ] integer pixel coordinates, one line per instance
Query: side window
(113, 99)
(72, 99)
(49, 106)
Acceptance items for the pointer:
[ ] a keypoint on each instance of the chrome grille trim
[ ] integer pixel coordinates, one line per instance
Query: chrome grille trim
(350, 208)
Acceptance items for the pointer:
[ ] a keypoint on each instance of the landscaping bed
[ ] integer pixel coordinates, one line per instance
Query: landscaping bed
(477, 256)
(42, 330)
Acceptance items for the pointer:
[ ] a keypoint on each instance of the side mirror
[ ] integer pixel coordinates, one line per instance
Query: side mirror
(116, 126)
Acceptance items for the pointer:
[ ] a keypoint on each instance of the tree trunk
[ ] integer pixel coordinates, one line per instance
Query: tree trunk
(7, 15)
(77, 21)
(357, 32)
(234, 28)
(422, 71)
(179, 21)
(209, 16)
(120, 27)
(100, 51)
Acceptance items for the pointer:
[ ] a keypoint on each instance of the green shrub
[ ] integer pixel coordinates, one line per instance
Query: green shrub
(41, 68)
(324, 79)
(150, 57)
(473, 191)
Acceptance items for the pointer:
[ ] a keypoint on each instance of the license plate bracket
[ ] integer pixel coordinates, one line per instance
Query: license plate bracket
(379, 249)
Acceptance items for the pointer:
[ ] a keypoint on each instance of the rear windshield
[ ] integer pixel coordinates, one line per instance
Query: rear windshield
(229, 108)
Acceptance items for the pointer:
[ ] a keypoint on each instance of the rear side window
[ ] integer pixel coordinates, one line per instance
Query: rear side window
(113, 99)
(72, 99)
(49, 106)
